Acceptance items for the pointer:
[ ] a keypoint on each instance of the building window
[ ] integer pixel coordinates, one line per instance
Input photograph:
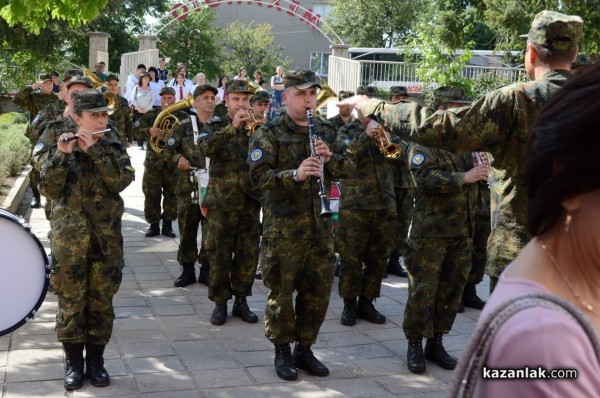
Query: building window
(319, 63)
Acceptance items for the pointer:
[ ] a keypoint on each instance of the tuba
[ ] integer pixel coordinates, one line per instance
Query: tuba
(168, 122)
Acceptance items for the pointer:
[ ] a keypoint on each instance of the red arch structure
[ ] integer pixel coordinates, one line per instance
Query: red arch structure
(180, 11)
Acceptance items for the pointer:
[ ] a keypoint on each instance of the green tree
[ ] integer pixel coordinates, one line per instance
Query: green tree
(194, 42)
(250, 46)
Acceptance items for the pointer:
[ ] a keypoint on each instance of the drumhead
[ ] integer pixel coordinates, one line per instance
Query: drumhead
(24, 273)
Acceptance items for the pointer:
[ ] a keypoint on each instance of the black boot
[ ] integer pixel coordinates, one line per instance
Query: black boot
(73, 365)
(305, 359)
(414, 357)
(167, 229)
(394, 267)
(204, 275)
(284, 365)
(470, 298)
(349, 312)
(153, 230)
(187, 277)
(219, 314)
(366, 310)
(241, 309)
(94, 362)
(435, 352)
(36, 202)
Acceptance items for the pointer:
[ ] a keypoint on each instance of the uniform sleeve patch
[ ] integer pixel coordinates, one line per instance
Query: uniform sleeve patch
(256, 155)
(37, 118)
(137, 123)
(171, 141)
(418, 159)
(203, 134)
(38, 147)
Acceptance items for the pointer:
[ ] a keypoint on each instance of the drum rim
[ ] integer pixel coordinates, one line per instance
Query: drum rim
(15, 219)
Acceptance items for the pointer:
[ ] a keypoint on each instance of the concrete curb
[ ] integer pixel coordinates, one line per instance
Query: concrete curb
(15, 195)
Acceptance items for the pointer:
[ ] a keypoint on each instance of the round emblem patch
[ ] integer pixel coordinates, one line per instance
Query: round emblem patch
(171, 141)
(418, 159)
(38, 147)
(256, 155)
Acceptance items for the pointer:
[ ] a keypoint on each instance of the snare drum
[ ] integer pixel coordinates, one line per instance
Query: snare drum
(24, 273)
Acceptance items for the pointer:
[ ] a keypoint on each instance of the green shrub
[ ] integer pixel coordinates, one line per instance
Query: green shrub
(14, 150)
(13, 118)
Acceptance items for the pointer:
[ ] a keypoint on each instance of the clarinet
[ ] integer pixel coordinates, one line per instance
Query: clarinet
(312, 136)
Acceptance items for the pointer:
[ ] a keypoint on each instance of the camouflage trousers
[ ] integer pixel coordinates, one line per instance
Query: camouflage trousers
(157, 184)
(305, 266)
(438, 270)
(404, 209)
(237, 233)
(364, 239)
(189, 217)
(85, 291)
(481, 233)
(34, 176)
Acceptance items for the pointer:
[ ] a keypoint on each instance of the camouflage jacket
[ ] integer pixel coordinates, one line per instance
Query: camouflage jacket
(156, 161)
(291, 209)
(33, 102)
(52, 112)
(444, 203)
(123, 119)
(499, 122)
(371, 186)
(229, 185)
(338, 122)
(84, 189)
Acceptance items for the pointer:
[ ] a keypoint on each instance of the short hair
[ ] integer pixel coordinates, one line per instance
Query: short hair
(102, 63)
(563, 156)
(199, 74)
(140, 66)
(54, 74)
(550, 57)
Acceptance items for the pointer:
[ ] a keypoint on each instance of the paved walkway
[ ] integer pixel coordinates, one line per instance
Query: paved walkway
(163, 344)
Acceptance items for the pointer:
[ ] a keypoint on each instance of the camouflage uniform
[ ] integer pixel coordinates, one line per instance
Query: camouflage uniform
(481, 233)
(233, 213)
(53, 111)
(87, 246)
(297, 247)
(124, 120)
(160, 177)
(367, 216)
(438, 256)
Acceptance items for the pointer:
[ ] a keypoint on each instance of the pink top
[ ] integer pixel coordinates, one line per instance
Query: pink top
(538, 337)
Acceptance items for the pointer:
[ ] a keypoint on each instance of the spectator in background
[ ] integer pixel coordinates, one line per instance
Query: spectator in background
(242, 75)
(156, 85)
(181, 90)
(258, 79)
(163, 73)
(187, 82)
(221, 91)
(142, 100)
(100, 66)
(132, 81)
(55, 82)
(277, 87)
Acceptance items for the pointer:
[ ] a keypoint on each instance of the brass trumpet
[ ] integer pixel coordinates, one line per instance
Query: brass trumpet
(324, 95)
(252, 124)
(388, 148)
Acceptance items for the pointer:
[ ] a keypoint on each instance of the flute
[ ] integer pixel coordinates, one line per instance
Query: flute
(74, 137)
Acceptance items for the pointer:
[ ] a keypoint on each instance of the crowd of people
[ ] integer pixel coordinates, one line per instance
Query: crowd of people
(440, 195)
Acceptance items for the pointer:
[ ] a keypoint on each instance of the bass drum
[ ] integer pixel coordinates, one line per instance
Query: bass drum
(24, 273)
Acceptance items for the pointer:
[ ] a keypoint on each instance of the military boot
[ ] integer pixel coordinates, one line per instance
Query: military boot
(203, 276)
(167, 229)
(394, 267)
(284, 364)
(241, 309)
(305, 359)
(219, 315)
(73, 365)
(349, 312)
(36, 201)
(187, 277)
(154, 230)
(435, 352)
(366, 310)
(470, 298)
(94, 362)
(414, 357)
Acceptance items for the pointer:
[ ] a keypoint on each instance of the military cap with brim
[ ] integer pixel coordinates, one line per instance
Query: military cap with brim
(80, 80)
(398, 90)
(44, 77)
(447, 94)
(342, 95)
(301, 79)
(90, 101)
(204, 87)
(238, 86)
(369, 91)
(555, 31)
(581, 60)
(69, 73)
(260, 96)
(167, 90)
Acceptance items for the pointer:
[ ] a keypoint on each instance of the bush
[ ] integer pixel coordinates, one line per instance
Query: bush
(14, 150)
(13, 118)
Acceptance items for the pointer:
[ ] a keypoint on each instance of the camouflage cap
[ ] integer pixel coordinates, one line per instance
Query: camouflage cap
(369, 91)
(581, 60)
(69, 73)
(555, 31)
(200, 89)
(89, 101)
(260, 96)
(44, 77)
(238, 86)
(112, 77)
(167, 90)
(398, 90)
(342, 95)
(301, 79)
(80, 80)
(446, 94)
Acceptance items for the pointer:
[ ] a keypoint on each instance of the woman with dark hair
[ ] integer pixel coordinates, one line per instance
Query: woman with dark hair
(561, 262)
(156, 85)
(258, 79)
(142, 100)
(221, 93)
(181, 69)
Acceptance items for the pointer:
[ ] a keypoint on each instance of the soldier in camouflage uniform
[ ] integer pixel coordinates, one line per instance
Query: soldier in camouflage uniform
(260, 103)
(160, 175)
(367, 227)
(398, 93)
(122, 114)
(345, 113)
(184, 153)
(297, 246)
(233, 209)
(34, 101)
(500, 123)
(87, 245)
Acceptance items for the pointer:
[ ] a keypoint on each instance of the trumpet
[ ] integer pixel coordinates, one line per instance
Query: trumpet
(389, 149)
(252, 124)
(75, 137)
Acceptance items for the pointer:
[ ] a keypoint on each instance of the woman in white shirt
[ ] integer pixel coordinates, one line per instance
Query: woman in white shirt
(142, 99)
(221, 89)
(181, 90)
(187, 82)
(155, 84)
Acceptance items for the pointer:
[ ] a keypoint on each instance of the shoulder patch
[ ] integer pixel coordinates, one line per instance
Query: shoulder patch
(38, 147)
(171, 141)
(418, 159)
(256, 155)
(137, 123)
(37, 118)
(202, 134)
